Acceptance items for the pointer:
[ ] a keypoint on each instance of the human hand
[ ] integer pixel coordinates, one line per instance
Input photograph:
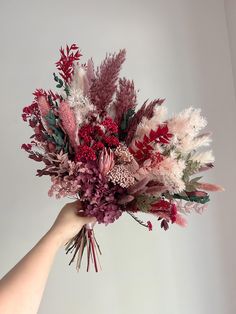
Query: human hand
(68, 223)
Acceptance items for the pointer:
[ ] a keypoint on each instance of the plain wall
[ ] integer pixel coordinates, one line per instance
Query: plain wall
(180, 50)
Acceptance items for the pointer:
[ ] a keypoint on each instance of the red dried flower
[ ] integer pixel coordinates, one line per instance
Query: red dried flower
(85, 130)
(98, 131)
(98, 146)
(85, 153)
(110, 125)
(111, 141)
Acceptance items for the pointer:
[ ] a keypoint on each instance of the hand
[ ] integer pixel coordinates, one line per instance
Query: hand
(68, 223)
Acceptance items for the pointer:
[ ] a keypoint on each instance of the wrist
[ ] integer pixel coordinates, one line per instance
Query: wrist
(56, 237)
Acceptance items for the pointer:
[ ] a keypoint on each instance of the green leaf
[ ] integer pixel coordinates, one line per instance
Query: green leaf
(196, 199)
(50, 118)
(126, 118)
(67, 90)
(58, 139)
(56, 78)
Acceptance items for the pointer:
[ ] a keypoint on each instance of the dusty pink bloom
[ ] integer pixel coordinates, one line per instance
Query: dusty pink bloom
(106, 161)
(210, 187)
(68, 121)
(123, 154)
(121, 175)
(64, 186)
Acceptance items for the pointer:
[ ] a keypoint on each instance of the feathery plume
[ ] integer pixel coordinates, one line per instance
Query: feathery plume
(126, 99)
(203, 157)
(68, 121)
(104, 84)
(144, 111)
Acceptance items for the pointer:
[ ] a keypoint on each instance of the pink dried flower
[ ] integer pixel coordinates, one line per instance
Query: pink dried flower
(123, 154)
(121, 175)
(106, 161)
(68, 121)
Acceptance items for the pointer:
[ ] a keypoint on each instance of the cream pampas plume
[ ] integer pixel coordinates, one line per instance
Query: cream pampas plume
(204, 157)
(68, 121)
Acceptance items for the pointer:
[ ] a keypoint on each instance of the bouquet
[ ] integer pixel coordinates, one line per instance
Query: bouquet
(99, 147)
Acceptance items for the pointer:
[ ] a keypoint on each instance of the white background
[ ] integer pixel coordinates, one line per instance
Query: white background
(181, 50)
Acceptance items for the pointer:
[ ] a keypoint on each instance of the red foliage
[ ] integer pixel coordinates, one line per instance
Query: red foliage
(65, 64)
(26, 147)
(146, 110)
(144, 147)
(149, 224)
(165, 208)
(40, 92)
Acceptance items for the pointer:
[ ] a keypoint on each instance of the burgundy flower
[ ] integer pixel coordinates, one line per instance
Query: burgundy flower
(85, 153)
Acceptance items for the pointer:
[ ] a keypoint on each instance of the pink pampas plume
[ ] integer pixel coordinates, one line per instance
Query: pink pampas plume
(68, 121)
(126, 99)
(44, 109)
(104, 84)
(126, 199)
(90, 71)
(210, 187)
(44, 106)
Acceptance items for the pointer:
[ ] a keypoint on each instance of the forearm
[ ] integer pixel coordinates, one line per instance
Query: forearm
(22, 287)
